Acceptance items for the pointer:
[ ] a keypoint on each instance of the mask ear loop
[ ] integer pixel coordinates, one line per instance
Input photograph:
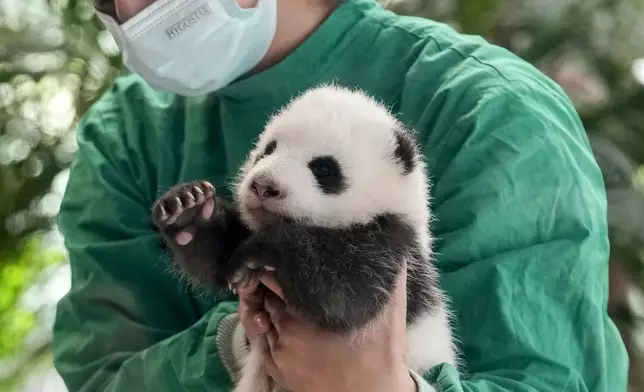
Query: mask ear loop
(106, 7)
(128, 53)
(112, 25)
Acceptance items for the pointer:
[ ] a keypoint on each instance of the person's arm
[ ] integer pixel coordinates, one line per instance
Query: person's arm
(127, 324)
(523, 246)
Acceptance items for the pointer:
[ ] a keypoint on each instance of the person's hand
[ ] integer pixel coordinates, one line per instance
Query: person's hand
(303, 358)
(252, 313)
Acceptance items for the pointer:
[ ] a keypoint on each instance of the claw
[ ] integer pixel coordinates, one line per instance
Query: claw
(164, 213)
(210, 190)
(237, 277)
(191, 200)
(178, 204)
(252, 265)
(200, 196)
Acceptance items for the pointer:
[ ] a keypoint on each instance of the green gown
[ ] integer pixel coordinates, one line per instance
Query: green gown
(518, 198)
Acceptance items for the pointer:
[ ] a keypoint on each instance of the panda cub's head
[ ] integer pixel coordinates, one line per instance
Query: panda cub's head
(333, 157)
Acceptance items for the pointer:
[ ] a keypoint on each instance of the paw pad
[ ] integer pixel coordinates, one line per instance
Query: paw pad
(181, 208)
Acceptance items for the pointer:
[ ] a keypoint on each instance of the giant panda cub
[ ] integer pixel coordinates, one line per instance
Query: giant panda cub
(334, 200)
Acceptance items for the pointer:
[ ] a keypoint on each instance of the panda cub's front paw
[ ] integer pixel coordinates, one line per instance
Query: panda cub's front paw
(251, 259)
(247, 275)
(185, 207)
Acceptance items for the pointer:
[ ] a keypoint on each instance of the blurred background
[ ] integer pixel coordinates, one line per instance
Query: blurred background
(56, 59)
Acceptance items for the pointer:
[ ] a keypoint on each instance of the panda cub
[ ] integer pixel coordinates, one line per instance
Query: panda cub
(333, 199)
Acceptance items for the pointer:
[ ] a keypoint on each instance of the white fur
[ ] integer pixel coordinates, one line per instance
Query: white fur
(253, 378)
(358, 132)
(430, 342)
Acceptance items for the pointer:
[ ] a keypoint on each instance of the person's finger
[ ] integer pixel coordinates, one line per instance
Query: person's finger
(276, 309)
(252, 314)
(401, 286)
(397, 308)
(253, 299)
(269, 365)
(254, 322)
(271, 339)
(249, 290)
(268, 279)
(263, 322)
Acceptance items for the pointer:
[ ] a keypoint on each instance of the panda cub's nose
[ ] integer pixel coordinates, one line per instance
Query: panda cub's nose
(265, 190)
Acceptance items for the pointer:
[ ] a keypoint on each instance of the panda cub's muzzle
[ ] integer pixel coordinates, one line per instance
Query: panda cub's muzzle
(264, 190)
(263, 194)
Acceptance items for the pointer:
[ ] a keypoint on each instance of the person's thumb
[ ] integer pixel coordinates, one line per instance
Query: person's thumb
(398, 306)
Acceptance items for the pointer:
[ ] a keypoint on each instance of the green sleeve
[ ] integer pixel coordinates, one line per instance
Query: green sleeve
(126, 324)
(523, 246)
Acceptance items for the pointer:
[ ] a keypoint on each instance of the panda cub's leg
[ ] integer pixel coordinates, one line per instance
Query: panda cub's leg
(429, 333)
(253, 378)
(430, 341)
(199, 230)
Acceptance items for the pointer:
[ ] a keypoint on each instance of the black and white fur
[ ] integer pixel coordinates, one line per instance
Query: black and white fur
(334, 199)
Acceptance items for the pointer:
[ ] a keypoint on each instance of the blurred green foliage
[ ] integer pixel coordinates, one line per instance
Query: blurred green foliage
(56, 59)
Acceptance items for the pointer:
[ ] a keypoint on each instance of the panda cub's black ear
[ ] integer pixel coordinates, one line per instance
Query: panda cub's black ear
(406, 150)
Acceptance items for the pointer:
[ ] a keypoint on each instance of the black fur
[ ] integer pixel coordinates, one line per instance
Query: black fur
(270, 148)
(423, 289)
(328, 174)
(340, 279)
(406, 151)
(206, 258)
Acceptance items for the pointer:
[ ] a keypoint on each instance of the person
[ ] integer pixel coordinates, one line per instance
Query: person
(521, 232)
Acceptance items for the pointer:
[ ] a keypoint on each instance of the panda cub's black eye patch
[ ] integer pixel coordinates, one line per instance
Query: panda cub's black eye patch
(270, 148)
(328, 174)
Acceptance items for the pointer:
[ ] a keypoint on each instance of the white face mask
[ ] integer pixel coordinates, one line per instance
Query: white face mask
(193, 47)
